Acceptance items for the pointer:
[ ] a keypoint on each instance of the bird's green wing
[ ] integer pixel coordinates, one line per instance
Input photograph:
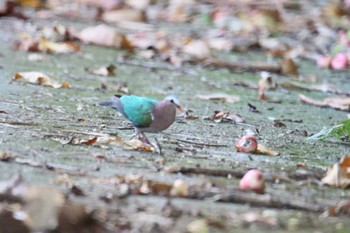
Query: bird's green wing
(138, 109)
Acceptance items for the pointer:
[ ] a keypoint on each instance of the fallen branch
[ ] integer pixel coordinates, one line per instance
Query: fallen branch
(50, 166)
(267, 200)
(239, 66)
(18, 123)
(202, 143)
(205, 171)
(85, 133)
(156, 66)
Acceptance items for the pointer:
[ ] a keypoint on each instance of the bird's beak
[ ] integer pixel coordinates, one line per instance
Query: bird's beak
(179, 108)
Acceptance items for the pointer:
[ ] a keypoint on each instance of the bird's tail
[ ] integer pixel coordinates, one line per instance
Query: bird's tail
(115, 103)
(106, 103)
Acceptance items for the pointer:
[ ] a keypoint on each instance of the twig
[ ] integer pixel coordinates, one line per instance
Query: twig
(154, 66)
(238, 66)
(85, 133)
(202, 143)
(205, 171)
(49, 166)
(267, 200)
(18, 123)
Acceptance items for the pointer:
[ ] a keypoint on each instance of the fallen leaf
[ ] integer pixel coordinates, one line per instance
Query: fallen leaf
(179, 188)
(103, 70)
(338, 174)
(39, 78)
(342, 207)
(221, 97)
(198, 226)
(28, 199)
(289, 67)
(221, 116)
(26, 43)
(253, 108)
(57, 47)
(197, 50)
(3, 112)
(266, 151)
(220, 44)
(4, 156)
(116, 16)
(338, 103)
(133, 144)
(105, 36)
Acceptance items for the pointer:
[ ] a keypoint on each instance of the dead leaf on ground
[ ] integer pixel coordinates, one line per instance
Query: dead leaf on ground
(27, 199)
(342, 207)
(103, 70)
(47, 46)
(338, 103)
(133, 144)
(26, 43)
(4, 156)
(3, 112)
(125, 14)
(198, 50)
(39, 78)
(221, 116)
(289, 67)
(221, 97)
(104, 35)
(338, 174)
(266, 151)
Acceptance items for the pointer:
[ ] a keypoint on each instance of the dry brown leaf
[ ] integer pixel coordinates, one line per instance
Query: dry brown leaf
(219, 96)
(220, 116)
(105, 36)
(266, 151)
(338, 174)
(125, 14)
(178, 10)
(103, 70)
(289, 67)
(26, 43)
(338, 103)
(38, 207)
(4, 156)
(220, 44)
(198, 50)
(39, 78)
(198, 226)
(133, 144)
(57, 47)
(31, 3)
(342, 207)
(179, 188)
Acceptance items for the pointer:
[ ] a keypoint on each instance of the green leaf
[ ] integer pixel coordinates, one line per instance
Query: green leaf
(341, 130)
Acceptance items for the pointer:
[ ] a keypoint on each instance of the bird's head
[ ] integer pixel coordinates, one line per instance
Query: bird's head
(175, 101)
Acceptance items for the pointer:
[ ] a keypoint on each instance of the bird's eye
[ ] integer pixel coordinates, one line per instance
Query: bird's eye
(172, 101)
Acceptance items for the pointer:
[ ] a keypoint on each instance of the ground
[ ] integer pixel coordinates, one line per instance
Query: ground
(37, 124)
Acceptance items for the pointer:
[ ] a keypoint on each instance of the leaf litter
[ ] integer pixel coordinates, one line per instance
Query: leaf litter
(247, 21)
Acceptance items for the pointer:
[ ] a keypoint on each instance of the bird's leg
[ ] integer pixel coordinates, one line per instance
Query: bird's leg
(144, 139)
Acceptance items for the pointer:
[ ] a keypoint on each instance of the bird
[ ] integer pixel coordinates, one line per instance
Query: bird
(146, 114)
